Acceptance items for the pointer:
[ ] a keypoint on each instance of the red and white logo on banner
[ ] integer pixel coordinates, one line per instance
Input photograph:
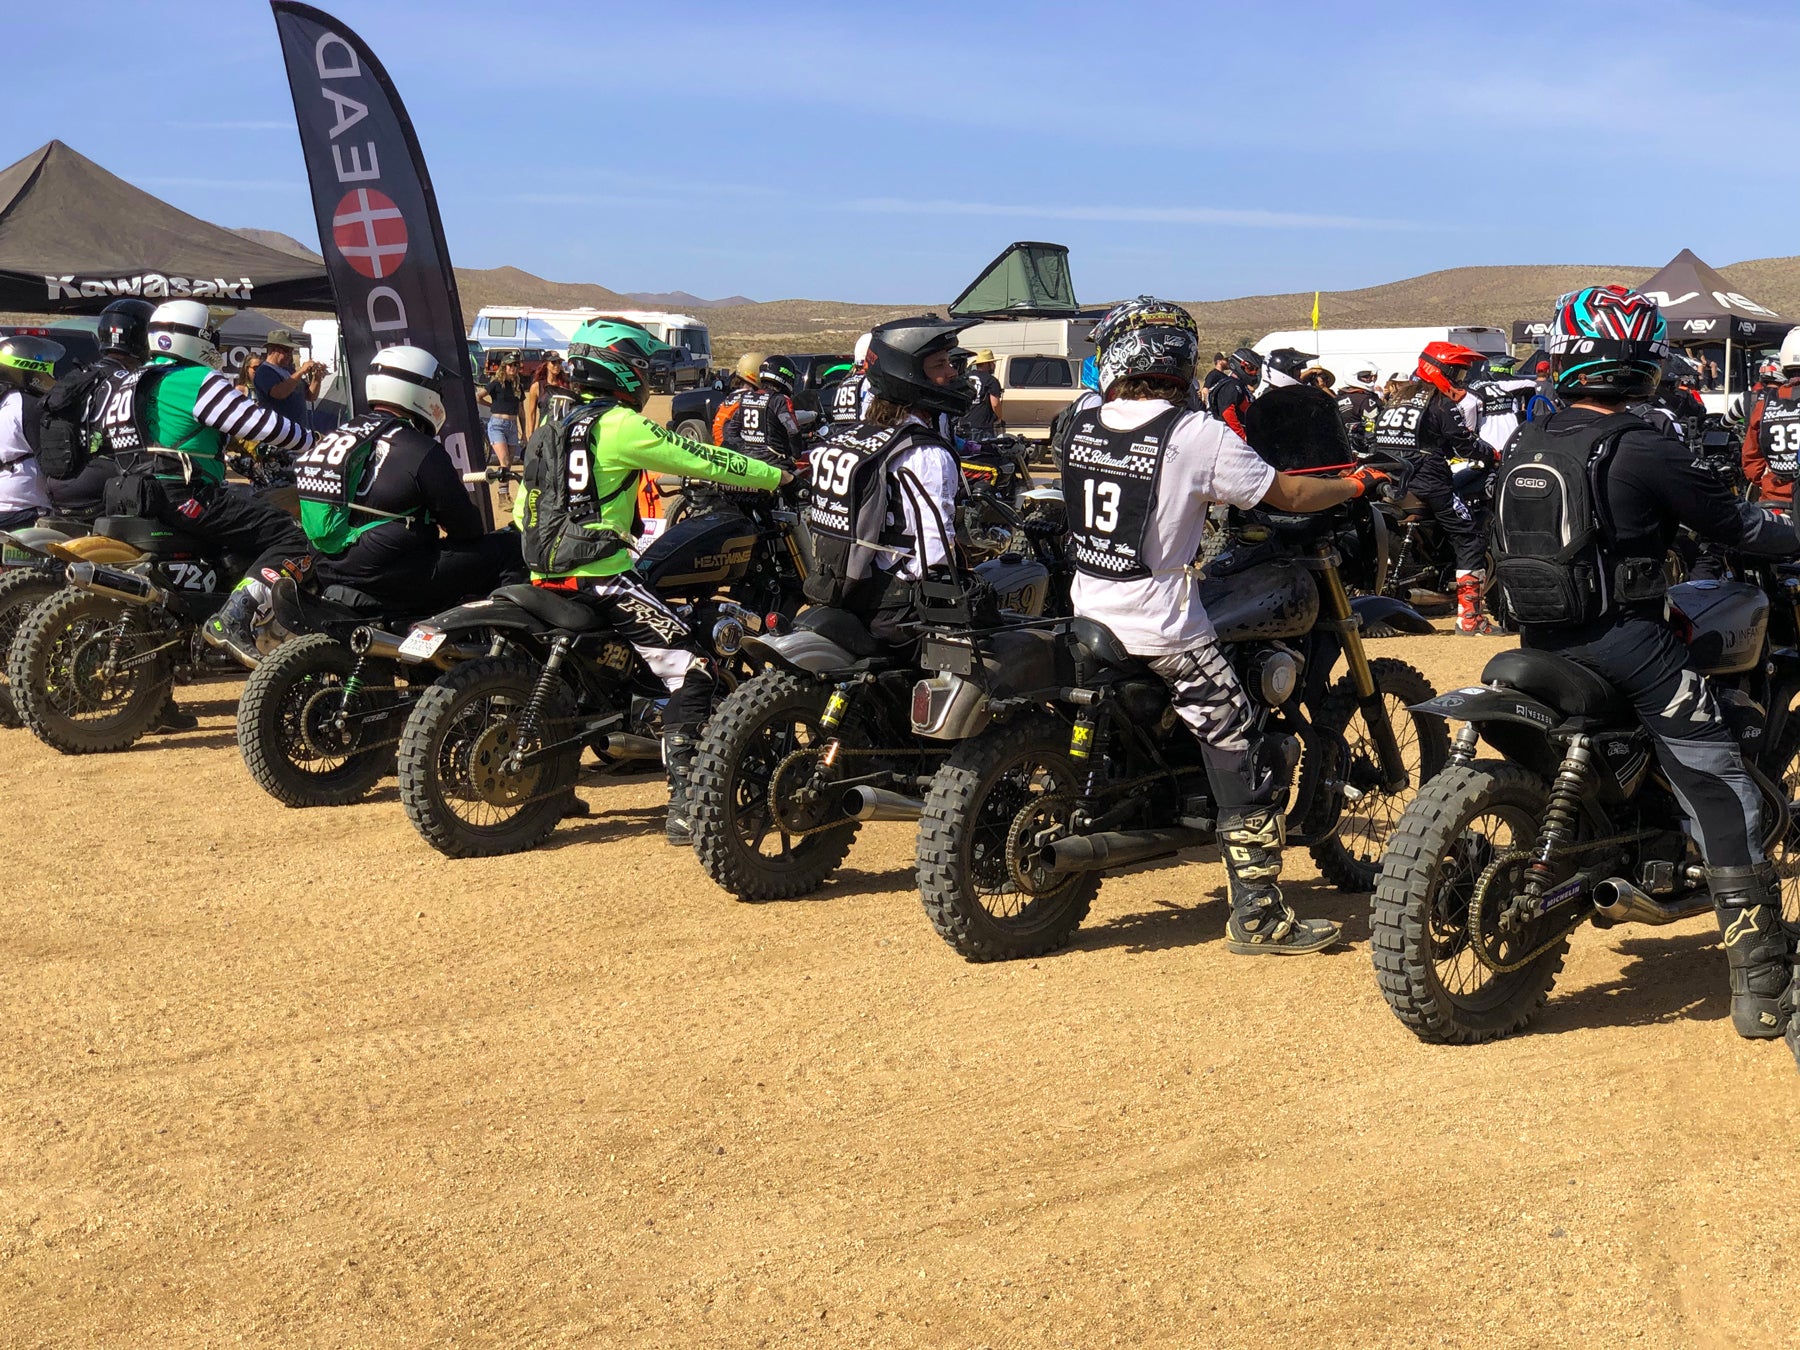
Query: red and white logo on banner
(370, 232)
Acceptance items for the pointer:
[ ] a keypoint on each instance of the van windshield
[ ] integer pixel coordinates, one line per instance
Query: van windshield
(697, 341)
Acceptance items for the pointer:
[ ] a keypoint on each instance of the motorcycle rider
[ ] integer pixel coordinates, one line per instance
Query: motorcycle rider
(578, 511)
(1772, 432)
(1424, 425)
(1357, 405)
(1229, 398)
(851, 396)
(884, 492)
(28, 370)
(375, 492)
(168, 426)
(1505, 402)
(1134, 534)
(762, 422)
(743, 379)
(1607, 351)
(123, 332)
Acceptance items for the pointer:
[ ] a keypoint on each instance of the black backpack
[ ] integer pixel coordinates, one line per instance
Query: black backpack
(1549, 529)
(64, 443)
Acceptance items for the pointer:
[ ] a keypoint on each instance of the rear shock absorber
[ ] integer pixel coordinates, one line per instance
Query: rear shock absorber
(351, 687)
(1574, 779)
(534, 706)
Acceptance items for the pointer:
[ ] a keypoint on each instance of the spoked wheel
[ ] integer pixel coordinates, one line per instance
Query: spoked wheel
(1465, 820)
(1350, 856)
(90, 674)
(762, 829)
(20, 593)
(305, 740)
(461, 779)
(984, 844)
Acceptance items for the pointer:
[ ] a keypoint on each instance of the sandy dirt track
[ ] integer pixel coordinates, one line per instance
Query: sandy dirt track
(277, 1077)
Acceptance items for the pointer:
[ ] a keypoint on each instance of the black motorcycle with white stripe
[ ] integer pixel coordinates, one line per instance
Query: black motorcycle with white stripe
(1499, 861)
(1071, 760)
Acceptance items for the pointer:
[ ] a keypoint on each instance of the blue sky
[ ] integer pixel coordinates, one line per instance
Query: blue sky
(885, 152)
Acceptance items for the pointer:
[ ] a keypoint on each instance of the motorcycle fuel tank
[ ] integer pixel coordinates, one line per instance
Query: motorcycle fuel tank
(1270, 600)
(701, 551)
(1722, 623)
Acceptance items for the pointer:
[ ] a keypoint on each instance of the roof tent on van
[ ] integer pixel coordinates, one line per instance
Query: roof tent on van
(1028, 280)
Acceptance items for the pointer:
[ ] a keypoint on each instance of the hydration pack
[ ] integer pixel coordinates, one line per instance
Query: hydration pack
(1550, 531)
(329, 476)
(65, 440)
(559, 499)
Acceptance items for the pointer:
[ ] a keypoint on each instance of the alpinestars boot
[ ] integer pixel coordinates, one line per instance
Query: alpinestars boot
(678, 756)
(1469, 618)
(1261, 923)
(229, 630)
(1757, 948)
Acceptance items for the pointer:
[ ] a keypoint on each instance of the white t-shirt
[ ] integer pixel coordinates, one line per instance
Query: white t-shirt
(21, 480)
(934, 469)
(1203, 461)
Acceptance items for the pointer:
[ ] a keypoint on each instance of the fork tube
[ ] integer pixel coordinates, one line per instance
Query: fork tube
(1362, 679)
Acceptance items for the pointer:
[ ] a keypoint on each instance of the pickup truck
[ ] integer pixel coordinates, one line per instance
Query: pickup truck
(691, 413)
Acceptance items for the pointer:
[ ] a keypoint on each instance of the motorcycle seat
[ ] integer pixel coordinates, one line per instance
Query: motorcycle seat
(1097, 643)
(354, 602)
(149, 536)
(556, 610)
(843, 628)
(1571, 689)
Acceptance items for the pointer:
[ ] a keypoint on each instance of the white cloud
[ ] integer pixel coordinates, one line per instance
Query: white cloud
(1136, 215)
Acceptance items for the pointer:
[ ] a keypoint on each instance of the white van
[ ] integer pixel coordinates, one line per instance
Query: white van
(1344, 351)
(532, 332)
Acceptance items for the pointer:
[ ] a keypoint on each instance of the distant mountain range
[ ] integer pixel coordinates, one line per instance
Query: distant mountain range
(1466, 295)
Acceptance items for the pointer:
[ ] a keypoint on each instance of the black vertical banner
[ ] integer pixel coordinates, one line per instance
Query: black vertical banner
(378, 219)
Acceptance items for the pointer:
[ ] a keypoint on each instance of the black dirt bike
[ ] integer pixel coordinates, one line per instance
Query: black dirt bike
(491, 751)
(92, 666)
(1085, 767)
(30, 573)
(1498, 861)
(1421, 561)
(792, 764)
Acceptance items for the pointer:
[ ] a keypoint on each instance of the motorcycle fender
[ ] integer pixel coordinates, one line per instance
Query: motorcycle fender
(1373, 609)
(800, 650)
(94, 548)
(28, 544)
(489, 613)
(1484, 703)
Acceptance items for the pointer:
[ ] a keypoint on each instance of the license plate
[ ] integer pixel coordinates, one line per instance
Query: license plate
(422, 643)
(951, 657)
(14, 556)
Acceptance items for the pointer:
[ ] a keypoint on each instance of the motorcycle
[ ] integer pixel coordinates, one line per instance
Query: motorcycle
(92, 666)
(1071, 760)
(30, 573)
(1498, 862)
(791, 765)
(491, 751)
(1421, 565)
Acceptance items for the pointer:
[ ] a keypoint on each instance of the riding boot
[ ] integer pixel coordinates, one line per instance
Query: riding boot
(173, 718)
(678, 756)
(1469, 618)
(1261, 923)
(229, 630)
(1758, 949)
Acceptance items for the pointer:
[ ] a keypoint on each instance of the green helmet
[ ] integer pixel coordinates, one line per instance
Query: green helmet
(30, 363)
(613, 358)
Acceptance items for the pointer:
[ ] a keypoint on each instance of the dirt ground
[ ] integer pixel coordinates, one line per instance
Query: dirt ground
(279, 1077)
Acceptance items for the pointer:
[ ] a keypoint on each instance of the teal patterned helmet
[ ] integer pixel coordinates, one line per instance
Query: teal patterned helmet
(1608, 341)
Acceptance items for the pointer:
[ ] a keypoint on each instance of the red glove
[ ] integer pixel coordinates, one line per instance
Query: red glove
(1368, 481)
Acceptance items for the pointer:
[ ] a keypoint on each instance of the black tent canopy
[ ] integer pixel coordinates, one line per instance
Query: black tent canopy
(74, 237)
(1699, 305)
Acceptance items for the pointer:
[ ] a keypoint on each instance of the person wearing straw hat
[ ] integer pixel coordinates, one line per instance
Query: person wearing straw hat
(983, 418)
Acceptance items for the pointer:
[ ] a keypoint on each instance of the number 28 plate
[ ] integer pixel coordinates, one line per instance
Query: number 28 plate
(422, 643)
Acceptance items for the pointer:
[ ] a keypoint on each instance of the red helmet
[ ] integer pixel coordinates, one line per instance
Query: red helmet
(1446, 367)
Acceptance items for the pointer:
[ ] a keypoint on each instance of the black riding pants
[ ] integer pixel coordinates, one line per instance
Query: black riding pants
(1430, 483)
(430, 577)
(239, 523)
(1699, 756)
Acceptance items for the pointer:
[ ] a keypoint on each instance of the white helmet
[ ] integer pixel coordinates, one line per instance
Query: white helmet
(184, 330)
(860, 352)
(407, 378)
(1790, 351)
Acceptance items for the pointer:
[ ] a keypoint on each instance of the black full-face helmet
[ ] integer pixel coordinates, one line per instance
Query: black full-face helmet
(898, 352)
(124, 328)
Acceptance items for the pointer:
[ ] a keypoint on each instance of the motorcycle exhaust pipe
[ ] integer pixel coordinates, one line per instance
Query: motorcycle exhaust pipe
(1622, 902)
(383, 646)
(1116, 848)
(128, 587)
(624, 745)
(870, 803)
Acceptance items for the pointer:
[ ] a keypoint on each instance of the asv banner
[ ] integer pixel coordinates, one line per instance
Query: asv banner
(378, 220)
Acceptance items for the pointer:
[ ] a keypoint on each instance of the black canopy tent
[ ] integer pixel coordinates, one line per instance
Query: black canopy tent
(1702, 309)
(74, 237)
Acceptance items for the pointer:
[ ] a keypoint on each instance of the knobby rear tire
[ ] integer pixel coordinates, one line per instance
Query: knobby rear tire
(20, 593)
(41, 693)
(267, 720)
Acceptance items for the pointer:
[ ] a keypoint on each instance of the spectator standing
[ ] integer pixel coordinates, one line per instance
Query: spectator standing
(246, 379)
(1220, 369)
(281, 384)
(984, 417)
(504, 398)
(537, 398)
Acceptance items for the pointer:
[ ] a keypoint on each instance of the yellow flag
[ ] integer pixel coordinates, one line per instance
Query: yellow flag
(1315, 311)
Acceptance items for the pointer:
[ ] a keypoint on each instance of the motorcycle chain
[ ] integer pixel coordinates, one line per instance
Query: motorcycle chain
(355, 720)
(1039, 823)
(1480, 941)
(779, 783)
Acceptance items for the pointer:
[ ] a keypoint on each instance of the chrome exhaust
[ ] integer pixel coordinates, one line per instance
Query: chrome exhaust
(1622, 902)
(114, 584)
(1116, 848)
(624, 745)
(366, 641)
(871, 803)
